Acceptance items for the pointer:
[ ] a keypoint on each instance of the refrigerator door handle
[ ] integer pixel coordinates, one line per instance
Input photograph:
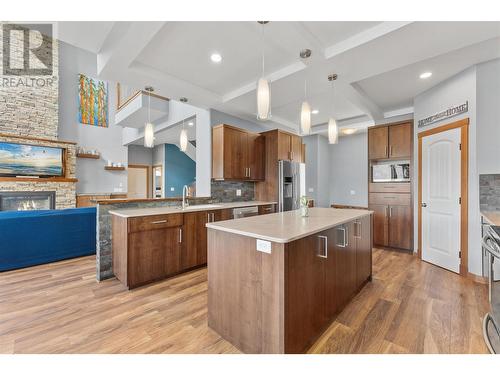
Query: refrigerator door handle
(280, 186)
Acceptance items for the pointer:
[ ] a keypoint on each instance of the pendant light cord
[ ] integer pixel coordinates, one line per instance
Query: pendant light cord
(149, 107)
(262, 46)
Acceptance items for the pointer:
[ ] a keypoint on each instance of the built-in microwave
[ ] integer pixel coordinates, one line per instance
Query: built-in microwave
(391, 172)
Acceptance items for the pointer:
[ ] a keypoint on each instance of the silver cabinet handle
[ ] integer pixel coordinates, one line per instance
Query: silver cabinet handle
(390, 211)
(357, 223)
(249, 172)
(390, 151)
(386, 211)
(159, 222)
(385, 150)
(180, 235)
(213, 217)
(346, 236)
(208, 217)
(344, 242)
(325, 251)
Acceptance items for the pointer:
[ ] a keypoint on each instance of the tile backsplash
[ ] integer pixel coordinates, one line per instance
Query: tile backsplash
(489, 191)
(225, 191)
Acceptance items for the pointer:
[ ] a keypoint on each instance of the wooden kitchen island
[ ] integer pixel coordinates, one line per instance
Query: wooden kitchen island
(275, 282)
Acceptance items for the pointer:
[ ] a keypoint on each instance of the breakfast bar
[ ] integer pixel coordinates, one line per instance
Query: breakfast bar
(276, 282)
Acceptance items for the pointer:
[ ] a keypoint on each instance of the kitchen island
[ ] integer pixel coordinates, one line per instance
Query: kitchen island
(275, 282)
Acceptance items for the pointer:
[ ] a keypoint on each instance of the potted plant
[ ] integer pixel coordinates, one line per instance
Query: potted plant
(304, 206)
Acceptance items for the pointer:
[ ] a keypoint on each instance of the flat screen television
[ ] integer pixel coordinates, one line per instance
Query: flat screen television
(29, 160)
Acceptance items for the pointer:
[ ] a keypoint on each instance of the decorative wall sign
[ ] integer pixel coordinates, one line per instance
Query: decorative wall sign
(450, 112)
(93, 101)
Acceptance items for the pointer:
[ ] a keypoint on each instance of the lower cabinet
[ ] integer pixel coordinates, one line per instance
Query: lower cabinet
(154, 255)
(323, 272)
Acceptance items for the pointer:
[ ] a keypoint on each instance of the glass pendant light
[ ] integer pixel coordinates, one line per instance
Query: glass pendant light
(149, 128)
(305, 113)
(333, 130)
(183, 139)
(263, 90)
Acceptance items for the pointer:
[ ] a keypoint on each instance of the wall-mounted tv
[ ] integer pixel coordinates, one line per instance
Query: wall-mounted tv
(30, 160)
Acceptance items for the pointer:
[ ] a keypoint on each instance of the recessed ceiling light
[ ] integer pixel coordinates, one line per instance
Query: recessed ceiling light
(315, 111)
(216, 57)
(190, 123)
(425, 75)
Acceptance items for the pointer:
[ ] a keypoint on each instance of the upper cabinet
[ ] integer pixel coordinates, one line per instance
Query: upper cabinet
(237, 154)
(289, 147)
(390, 142)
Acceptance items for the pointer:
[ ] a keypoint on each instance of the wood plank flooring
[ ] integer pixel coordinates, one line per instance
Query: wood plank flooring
(410, 307)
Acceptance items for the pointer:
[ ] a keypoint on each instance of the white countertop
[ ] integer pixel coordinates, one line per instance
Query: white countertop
(137, 212)
(492, 217)
(288, 226)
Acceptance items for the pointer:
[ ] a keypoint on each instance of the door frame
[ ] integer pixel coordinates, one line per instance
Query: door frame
(153, 177)
(148, 175)
(464, 188)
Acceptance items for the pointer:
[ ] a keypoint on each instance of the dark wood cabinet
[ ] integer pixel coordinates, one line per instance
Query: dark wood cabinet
(284, 145)
(390, 142)
(400, 141)
(237, 154)
(296, 149)
(400, 227)
(392, 220)
(378, 143)
(363, 229)
(267, 209)
(345, 257)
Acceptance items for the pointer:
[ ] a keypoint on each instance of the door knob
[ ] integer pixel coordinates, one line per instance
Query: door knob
(424, 205)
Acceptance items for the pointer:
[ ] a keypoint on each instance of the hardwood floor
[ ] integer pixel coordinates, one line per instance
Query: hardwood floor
(410, 307)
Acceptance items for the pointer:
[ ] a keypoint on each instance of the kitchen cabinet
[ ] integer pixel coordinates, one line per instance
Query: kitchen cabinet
(284, 145)
(237, 154)
(296, 149)
(345, 259)
(364, 247)
(146, 249)
(390, 142)
(267, 209)
(392, 220)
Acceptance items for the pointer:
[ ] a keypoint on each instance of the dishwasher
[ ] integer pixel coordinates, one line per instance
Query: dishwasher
(491, 322)
(245, 212)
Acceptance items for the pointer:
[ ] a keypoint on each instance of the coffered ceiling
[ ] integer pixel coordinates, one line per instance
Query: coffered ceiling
(378, 63)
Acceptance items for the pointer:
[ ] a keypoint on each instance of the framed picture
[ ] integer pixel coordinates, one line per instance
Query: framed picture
(93, 101)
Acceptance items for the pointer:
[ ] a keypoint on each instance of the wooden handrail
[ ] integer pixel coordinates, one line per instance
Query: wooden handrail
(120, 104)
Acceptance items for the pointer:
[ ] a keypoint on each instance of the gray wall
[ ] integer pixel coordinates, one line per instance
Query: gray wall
(348, 162)
(488, 117)
(140, 155)
(92, 178)
(311, 143)
(217, 117)
(453, 91)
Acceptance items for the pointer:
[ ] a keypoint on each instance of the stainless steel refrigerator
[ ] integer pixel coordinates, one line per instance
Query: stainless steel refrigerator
(291, 186)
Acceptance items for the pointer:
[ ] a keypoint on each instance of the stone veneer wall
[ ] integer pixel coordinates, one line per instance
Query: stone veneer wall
(222, 191)
(489, 191)
(30, 111)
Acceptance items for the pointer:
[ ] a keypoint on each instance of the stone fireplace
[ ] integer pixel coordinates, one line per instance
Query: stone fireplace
(27, 200)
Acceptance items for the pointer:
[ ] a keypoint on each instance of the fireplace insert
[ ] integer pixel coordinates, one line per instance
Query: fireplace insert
(27, 200)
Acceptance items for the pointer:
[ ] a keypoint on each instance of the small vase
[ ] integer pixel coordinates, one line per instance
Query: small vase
(304, 211)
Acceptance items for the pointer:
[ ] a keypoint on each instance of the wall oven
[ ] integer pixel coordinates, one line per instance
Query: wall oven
(391, 172)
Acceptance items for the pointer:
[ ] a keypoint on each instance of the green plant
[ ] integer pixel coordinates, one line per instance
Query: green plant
(303, 201)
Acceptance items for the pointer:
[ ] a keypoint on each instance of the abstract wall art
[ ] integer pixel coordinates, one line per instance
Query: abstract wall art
(93, 101)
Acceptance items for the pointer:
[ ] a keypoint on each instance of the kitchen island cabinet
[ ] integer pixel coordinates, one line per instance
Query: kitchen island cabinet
(275, 282)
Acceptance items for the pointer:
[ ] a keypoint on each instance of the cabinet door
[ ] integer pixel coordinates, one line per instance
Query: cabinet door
(225, 214)
(256, 157)
(400, 141)
(331, 297)
(380, 224)
(153, 255)
(378, 147)
(284, 146)
(363, 249)
(296, 148)
(267, 209)
(194, 239)
(345, 256)
(304, 288)
(400, 227)
(235, 154)
(303, 153)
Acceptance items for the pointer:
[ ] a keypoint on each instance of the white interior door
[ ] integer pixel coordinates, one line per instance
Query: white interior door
(137, 183)
(440, 199)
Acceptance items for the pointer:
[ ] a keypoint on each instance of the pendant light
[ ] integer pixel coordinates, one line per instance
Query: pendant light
(333, 130)
(305, 113)
(263, 90)
(149, 128)
(183, 140)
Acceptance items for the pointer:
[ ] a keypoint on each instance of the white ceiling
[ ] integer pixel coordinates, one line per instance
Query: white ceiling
(378, 63)
(172, 133)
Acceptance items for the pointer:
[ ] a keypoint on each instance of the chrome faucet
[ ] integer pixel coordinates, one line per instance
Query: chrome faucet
(185, 193)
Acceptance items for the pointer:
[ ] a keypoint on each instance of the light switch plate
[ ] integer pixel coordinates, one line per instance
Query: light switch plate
(353, 192)
(172, 188)
(238, 192)
(264, 246)
(311, 190)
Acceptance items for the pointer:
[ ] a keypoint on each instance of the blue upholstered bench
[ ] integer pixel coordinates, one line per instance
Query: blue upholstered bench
(28, 238)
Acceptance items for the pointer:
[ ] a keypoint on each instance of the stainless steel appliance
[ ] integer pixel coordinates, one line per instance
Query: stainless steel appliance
(491, 322)
(291, 185)
(391, 172)
(245, 212)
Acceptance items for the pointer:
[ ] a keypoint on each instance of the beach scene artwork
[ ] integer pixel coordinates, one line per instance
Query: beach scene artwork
(26, 160)
(93, 101)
